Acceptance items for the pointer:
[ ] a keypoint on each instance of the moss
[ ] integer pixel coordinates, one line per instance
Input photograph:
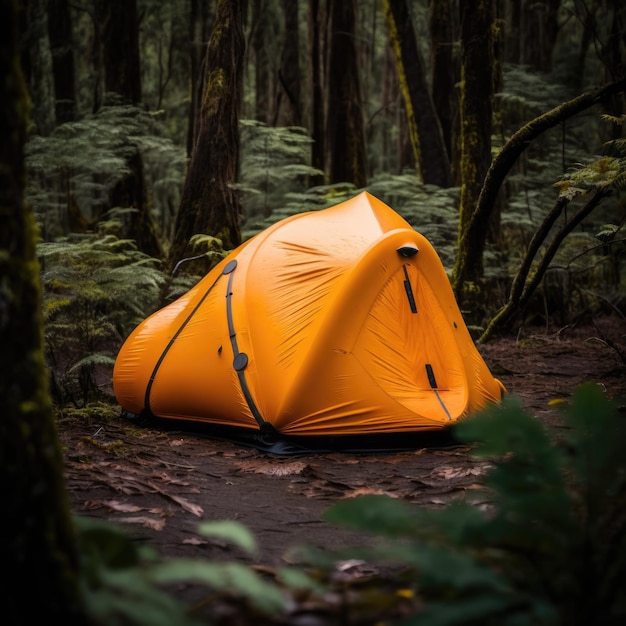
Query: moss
(394, 39)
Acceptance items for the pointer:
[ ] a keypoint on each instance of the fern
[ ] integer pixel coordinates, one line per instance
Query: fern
(274, 162)
(126, 584)
(80, 162)
(97, 288)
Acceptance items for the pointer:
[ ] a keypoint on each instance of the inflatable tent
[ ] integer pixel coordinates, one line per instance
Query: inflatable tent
(328, 324)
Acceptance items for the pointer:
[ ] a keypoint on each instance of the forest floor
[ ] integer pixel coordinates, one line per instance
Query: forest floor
(159, 484)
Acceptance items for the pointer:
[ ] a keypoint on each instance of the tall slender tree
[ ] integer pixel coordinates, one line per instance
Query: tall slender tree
(210, 204)
(288, 106)
(62, 49)
(316, 41)
(259, 36)
(424, 127)
(445, 73)
(200, 20)
(118, 21)
(346, 158)
(538, 33)
(477, 26)
(38, 543)
(37, 64)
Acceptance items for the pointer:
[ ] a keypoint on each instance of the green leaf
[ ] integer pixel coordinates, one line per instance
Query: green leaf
(127, 597)
(230, 531)
(234, 578)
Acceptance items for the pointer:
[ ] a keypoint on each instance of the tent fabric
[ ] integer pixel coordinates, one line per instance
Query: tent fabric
(329, 323)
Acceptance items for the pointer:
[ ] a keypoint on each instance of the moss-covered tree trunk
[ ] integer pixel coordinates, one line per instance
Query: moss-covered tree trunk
(477, 24)
(473, 237)
(346, 154)
(424, 128)
(38, 556)
(210, 204)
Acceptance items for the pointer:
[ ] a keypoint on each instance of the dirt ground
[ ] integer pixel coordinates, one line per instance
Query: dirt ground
(160, 484)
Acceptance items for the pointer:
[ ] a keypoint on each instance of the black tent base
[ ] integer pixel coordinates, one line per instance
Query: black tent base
(270, 441)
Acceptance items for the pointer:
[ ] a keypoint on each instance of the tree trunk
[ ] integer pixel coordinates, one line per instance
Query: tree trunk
(472, 239)
(344, 121)
(476, 113)
(38, 543)
(538, 33)
(445, 73)
(119, 24)
(316, 80)
(199, 20)
(61, 47)
(130, 192)
(532, 29)
(37, 63)
(209, 204)
(424, 128)
(288, 111)
(258, 39)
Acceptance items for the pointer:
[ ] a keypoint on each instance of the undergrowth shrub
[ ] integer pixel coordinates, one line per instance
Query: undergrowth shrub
(549, 549)
(96, 289)
(126, 583)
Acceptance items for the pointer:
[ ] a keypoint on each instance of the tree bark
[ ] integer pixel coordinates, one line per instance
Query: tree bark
(258, 39)
(61, 47)
(346, 156)
(316, 80)
(38, 543)
(476, 113)
(199, 20)
(538, 33)
(424, 128)
(130, 192)
(469, 264)
(445, 73)
(288, 106)
(119, 23)
(37, 64)
(209, 204)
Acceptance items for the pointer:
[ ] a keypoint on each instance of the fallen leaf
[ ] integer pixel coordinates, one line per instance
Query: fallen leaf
(146, 522)
(259, 466)
(195, 541)
(122, 507)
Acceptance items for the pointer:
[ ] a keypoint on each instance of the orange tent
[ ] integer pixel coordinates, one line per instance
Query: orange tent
(329, 323)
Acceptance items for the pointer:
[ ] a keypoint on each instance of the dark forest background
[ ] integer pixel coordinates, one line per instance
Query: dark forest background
(164, 133)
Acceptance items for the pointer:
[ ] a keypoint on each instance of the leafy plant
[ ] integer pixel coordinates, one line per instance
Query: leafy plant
(124, 583)
(550, 547)
(97, 288)
(274, 162)
(73, 171)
